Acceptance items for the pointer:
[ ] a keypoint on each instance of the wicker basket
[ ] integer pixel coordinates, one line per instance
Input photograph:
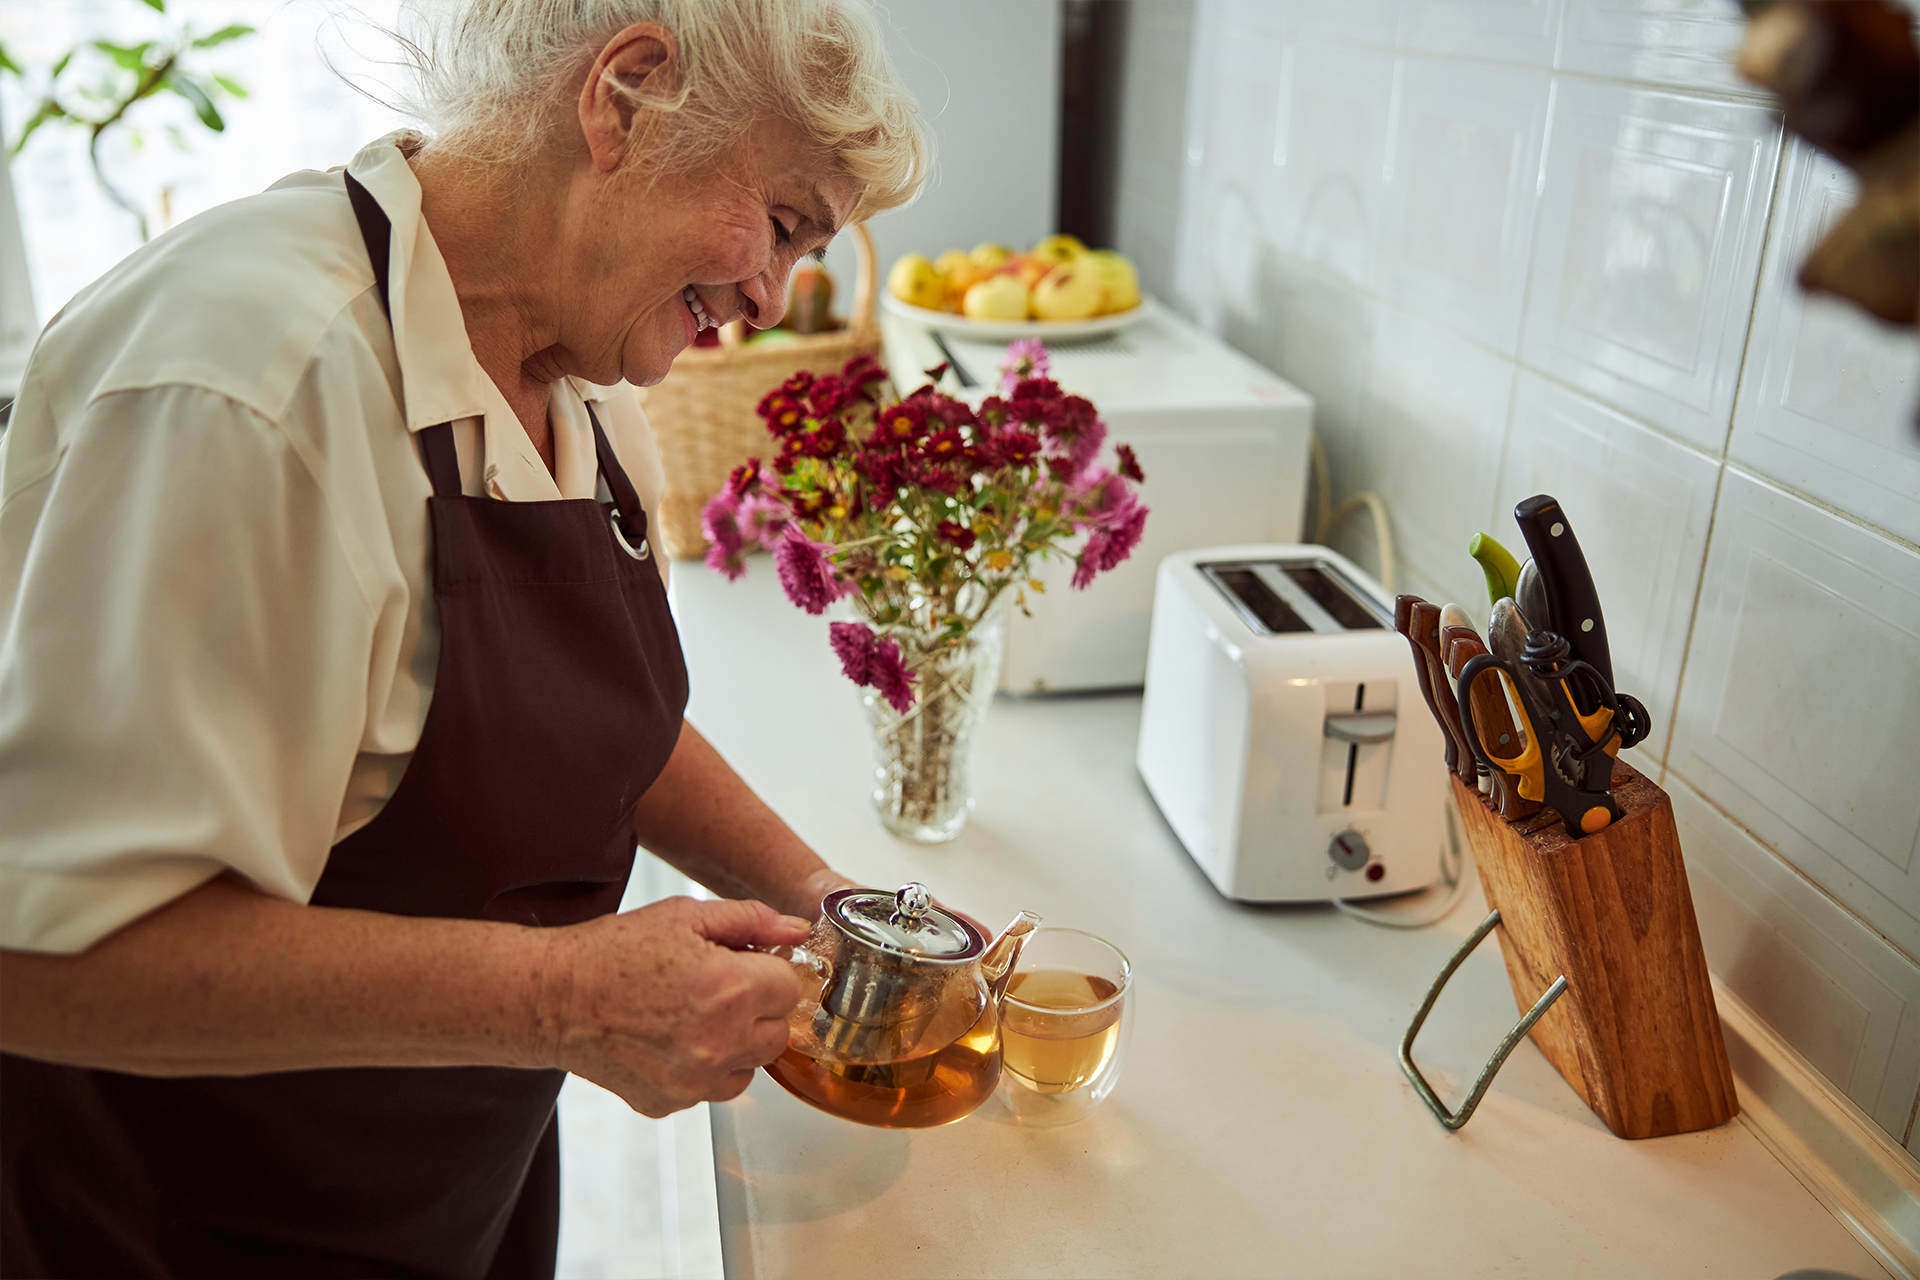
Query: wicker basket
(703, 411)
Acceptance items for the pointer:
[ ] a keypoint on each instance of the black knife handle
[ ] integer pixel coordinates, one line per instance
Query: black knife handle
(1571, 598)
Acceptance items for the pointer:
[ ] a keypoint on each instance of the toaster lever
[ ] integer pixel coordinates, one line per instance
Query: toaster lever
(1360, 727)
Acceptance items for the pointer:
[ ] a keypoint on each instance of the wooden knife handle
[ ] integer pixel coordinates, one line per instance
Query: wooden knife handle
(1425, 634)
(1403, 607)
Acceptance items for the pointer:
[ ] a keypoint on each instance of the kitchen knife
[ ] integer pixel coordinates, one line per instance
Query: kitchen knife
(1493, 716)
(1530, 593)
(1425, 635)
(1453, 628)
(1403, 623)
(1502, 570)
(1573, 606)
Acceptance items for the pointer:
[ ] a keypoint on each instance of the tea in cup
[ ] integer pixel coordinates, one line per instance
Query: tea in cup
(1064, 1026)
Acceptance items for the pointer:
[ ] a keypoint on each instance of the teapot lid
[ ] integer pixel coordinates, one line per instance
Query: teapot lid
(904, 923)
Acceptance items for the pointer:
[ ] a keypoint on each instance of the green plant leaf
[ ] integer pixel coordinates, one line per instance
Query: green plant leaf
(49, 110)
(223, 35)
(8, 64)
(203, 106)
(158, 6)
(231, 85)
(129, 57)
(60, 66)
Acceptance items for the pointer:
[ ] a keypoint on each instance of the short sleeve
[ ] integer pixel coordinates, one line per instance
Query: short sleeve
(183, 673)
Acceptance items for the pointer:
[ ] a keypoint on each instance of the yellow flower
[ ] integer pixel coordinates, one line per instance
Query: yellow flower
(1037, 585)
(999, 560)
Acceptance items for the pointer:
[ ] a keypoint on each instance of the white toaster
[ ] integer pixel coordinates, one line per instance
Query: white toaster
(1284, 735)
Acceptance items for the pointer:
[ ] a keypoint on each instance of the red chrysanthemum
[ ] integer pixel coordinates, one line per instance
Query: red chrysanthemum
(1129, 463)
(744, 479)
(805, 573)
(853, 644)
(1016, 449)
(943, 445)
(901, 423)
(958, 534)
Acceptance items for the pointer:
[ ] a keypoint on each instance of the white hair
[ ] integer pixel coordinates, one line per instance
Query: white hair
(495, 79)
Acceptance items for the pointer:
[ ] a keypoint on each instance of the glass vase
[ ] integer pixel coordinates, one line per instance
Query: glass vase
(922, 788)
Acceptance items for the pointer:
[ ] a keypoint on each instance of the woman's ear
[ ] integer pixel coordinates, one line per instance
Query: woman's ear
(643, 59)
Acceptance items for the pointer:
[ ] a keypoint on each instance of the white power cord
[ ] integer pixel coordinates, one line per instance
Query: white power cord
(1327, 515)
(1453, 872)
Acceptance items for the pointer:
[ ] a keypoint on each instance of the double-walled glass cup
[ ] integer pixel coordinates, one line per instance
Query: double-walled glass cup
(1064, 1026)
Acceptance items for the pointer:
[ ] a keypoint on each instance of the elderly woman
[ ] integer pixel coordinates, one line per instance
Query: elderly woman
(338, 681)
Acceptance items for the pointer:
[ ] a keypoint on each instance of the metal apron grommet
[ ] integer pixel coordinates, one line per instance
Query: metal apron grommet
(620, 537)
(1452, 1121)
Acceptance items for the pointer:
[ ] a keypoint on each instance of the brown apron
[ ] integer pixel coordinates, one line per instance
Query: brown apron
(556, 702)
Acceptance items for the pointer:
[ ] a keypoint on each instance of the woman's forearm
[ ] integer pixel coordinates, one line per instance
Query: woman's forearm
(703, 818)
(227, 981)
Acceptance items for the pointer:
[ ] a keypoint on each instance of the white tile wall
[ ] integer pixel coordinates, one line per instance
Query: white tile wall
(1652, 215)
(1501, 274)
(1689, 43)
(1325, 192)
(1827, 399)
(1845, 999)
(1798, 711)
(1464, 157)
(1641, 504)
(1430, 435)
(1514, 30)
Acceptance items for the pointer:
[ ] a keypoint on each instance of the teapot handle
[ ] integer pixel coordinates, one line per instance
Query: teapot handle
(802, 958)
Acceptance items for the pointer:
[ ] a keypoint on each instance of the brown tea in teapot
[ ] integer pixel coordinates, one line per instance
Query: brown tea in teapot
(915, 1092)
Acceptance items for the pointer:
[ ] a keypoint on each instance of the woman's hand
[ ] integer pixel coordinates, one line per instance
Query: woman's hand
(664, 1007)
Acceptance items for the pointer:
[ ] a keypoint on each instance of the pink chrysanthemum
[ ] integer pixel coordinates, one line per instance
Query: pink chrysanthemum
(720, 521)
(805, 574)
(889, 675)
(1117, 518)
(762, 518)
(1026, 358)
(853, 644)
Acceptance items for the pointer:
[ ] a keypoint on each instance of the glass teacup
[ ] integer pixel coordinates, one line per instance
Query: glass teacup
(1064, 1026)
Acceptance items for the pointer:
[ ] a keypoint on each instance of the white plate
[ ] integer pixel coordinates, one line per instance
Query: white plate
(1010, 330)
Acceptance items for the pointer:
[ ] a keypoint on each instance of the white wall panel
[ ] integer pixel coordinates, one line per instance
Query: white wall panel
(1848, 1002)
(1651, 224)
(1641, 504)
(1326, 198)
(1798, 709)
(1464, 159)
(1521, 31)
(1827, 399)
(1375, 22)
(1687, 43)
(1431, 431)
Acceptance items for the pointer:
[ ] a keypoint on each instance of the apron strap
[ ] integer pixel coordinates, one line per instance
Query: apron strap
(436, 442)
(626, 502)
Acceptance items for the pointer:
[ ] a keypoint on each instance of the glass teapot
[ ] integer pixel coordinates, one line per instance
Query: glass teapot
(898, 1023)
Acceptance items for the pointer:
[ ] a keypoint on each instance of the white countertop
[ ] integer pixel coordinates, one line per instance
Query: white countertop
(1262, 1126)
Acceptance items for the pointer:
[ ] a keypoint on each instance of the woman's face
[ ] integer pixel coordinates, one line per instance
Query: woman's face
(653, 262)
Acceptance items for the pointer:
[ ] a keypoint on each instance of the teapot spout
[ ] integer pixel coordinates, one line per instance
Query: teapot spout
(996, 966)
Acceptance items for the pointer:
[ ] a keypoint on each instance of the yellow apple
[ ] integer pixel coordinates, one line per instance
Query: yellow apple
(997, 298)
(950, 261)
(1058, 250)
(1030, 269)
(916, 282)
(990, 255)
(1119, 282)
(1070, 292)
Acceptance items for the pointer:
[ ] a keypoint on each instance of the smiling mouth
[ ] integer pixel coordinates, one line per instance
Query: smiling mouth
(702, 320)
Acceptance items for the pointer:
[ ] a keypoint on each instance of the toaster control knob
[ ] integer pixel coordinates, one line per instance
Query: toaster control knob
(1349, 850)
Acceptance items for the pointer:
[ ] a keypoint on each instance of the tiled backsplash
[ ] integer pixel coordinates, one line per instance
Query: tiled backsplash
(1548, 246)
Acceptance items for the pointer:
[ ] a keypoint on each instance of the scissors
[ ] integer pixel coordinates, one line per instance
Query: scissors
(1567, 760)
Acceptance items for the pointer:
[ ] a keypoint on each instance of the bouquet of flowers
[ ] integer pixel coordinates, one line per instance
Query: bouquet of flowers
(928, 513)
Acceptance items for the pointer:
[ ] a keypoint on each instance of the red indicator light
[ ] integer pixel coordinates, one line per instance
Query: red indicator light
(1376, 872)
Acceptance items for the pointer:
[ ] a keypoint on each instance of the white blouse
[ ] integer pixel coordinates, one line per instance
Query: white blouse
(217, 628)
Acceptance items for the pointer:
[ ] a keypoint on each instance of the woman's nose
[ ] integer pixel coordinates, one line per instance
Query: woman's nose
(763, 299)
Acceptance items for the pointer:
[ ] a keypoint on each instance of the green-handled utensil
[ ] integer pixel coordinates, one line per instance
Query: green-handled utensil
(1502, 570)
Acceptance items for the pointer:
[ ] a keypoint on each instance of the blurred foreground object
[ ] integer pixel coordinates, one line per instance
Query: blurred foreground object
(1848, 77)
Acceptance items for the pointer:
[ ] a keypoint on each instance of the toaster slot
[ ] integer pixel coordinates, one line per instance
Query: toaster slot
(1257, 601)
(1333, 595)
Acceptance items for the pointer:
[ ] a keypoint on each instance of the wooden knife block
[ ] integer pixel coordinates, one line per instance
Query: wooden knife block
(1636, 1034)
